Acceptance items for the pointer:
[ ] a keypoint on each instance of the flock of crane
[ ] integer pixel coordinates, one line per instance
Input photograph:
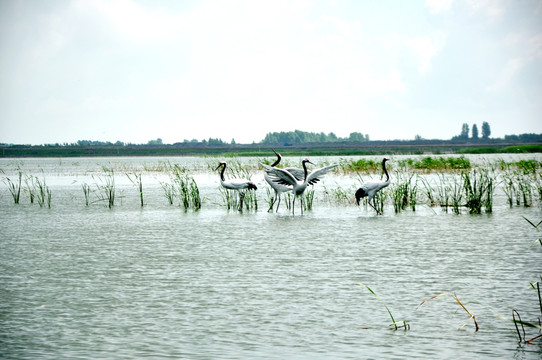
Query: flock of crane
(297, 180)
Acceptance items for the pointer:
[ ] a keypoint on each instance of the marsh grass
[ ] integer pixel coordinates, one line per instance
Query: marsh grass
(478, 186)
(429, 163)
(404, 192)
(183, 187)
(106, 187)
(397, 325)
(460, 304)
(135, 179)
(43, 192)
(308, 199)
(15, 187)
(30, 189)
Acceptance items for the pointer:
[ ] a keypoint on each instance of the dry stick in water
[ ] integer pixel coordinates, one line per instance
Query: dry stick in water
(459, 302)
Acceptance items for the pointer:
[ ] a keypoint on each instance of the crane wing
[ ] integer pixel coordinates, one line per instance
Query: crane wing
(298, 173)
(283, 176)
(317, 174)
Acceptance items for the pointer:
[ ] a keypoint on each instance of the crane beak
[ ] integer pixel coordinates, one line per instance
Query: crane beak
(218, 167)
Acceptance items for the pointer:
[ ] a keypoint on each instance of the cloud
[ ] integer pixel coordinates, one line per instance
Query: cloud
(425, 48)
(438, 6)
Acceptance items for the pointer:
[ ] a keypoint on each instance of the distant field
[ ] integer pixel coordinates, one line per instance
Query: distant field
(321, 149)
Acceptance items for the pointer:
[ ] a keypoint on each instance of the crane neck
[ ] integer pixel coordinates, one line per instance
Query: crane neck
(305, 170)
(222, 173)
(277, 161)
(385, 170)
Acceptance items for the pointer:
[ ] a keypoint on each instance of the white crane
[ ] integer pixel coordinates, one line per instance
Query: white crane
(278, 188)
(370, 188)
(238, 184)
(287, 178)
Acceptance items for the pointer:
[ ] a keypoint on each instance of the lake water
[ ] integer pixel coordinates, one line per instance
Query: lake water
(86, 282)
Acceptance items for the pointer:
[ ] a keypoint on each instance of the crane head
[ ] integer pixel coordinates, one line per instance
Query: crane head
(222, 163)
(308, 161)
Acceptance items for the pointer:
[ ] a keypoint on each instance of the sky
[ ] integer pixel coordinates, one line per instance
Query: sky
(138, 70)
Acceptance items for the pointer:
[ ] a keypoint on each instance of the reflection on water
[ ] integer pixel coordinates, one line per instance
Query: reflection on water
(92, 282)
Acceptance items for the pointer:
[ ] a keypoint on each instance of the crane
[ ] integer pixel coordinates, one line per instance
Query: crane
(271, 180)
(240, 185)
(285, 177)
(370, 188)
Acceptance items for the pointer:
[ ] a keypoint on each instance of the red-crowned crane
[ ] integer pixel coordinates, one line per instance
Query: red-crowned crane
(286, 178)
(271, 180)
(370, 188)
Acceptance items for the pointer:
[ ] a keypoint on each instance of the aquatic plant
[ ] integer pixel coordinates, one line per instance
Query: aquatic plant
(106, 188)
(429, 163)
(43, 193)
(460, 304)
(308, 199)
(518, 322)
(397, 325)
(86, 192)
(404, 191)
(15, 188)
(182, 186)
(478, 186)
(135, 179)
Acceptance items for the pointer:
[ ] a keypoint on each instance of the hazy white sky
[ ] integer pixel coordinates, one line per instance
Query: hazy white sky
(136, 70)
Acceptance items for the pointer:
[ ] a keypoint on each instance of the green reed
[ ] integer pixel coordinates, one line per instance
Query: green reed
(43, 193)
(15, 187)
(404, 192)
(479, 187)
(308, 199)
(135, 179)
(30, 188)
(397, 325)
(182, 186)
(106, 188)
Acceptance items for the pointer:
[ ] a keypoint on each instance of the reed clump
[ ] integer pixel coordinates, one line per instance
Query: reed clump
(15, 187)
(479, 187)
(404, 192)
(429, 163)
(135, 179)
(183, 187)
(107, 190)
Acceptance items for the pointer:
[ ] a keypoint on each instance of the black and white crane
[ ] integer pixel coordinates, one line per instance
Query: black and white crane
(370, 188)
(271, 180)
(240, 185)
(285, 177)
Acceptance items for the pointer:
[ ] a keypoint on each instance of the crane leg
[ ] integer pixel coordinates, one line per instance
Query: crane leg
(278, 204)
(274, 200)
(374, 206)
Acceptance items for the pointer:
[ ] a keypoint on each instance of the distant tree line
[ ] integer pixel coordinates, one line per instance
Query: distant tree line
(464, 135)
(304, 137)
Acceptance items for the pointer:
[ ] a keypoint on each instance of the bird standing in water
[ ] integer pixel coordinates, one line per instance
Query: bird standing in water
(278, 188)
(287, 178)
(370, 188)
(238, 184)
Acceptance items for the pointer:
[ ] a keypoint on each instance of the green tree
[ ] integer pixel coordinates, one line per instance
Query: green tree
(464, 131)
(474, 132)
(486, 130)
